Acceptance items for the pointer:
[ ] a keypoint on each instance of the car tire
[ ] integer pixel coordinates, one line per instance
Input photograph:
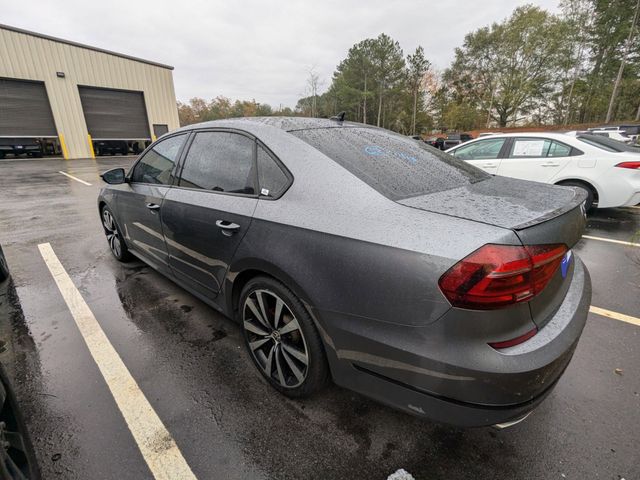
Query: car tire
(17, 459)
(287, 350)
(588, 204)
(4, 269)
(117, 244)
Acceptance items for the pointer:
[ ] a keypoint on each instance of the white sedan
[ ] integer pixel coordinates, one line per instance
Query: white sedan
(608, 170)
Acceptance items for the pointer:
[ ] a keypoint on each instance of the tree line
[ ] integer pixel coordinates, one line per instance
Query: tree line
(581, 65)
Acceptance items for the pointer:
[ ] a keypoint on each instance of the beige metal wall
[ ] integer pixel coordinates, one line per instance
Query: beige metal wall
(29, 57)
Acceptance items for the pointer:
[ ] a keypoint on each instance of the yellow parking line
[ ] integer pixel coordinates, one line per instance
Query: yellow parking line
(620, 242)
(615, 315)
(156, 444)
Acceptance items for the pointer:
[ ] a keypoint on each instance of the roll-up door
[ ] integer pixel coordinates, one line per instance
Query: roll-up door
(25, 109)
(114, 114)
(160, 129)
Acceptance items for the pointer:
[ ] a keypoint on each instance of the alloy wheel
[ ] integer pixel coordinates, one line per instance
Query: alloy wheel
(111, 230)
(275, 338)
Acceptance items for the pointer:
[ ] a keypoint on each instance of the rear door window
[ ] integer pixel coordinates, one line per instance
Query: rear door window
(480, 150)
(557, 149)
(272, 179)
(396, 166)
(220, 162)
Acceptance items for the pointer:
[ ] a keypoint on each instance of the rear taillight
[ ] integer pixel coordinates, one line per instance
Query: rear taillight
(495, 276)
(631, 165)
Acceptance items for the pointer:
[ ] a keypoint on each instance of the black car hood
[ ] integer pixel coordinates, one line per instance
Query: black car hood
(501, 201)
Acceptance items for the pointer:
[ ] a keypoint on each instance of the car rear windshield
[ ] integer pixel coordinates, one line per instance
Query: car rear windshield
(394, 165)
(607, 144)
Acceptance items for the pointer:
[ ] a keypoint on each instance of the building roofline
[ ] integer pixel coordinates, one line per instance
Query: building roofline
(82, 45)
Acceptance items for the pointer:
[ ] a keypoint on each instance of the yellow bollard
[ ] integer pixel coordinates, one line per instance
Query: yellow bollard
(63, 145)
(93, 153)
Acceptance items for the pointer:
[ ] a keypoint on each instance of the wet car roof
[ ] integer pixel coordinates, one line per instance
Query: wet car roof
(287, 124)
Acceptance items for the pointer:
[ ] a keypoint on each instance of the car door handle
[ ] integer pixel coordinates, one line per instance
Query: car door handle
(490, 165)
(551, 164)
(227, 228)
(153, 206)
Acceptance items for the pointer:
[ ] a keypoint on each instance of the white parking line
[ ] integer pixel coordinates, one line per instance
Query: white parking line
(620, 242)
(154, 441)
(615, 315)
(74, 178)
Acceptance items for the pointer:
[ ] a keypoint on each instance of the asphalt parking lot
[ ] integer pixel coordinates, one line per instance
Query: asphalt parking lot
(228, 423)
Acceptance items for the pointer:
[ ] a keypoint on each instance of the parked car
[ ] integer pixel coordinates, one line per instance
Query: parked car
(605, 169)
(435, 141)
(111, 147)
(4, 269)
(17, 458)
(357, 254)
(454, 139)
(632, 131)
(619, 135)
(20, 146)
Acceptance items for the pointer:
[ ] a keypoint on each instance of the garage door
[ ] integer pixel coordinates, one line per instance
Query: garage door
(114, 114)
(25, 109)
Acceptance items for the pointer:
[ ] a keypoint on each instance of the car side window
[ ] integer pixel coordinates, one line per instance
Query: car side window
(481, 150)
(220, 162)
(530, 148)
(558, 149)
(156, 166)
(273, 181)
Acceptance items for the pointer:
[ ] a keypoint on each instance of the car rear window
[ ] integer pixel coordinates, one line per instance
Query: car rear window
(607, 144)
(394, 165)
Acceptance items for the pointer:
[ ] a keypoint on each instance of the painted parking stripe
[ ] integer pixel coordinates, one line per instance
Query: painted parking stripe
(154, 441)
(74, 178)
(615, 315)
(610, 240)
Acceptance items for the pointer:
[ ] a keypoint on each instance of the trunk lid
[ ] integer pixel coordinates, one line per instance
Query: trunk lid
(538, 213)
(503, 202)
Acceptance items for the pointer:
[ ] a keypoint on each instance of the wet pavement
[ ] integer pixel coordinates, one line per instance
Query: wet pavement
(190, 363)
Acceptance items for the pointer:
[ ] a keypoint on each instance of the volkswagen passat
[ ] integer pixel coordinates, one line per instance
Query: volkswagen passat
(352, 253)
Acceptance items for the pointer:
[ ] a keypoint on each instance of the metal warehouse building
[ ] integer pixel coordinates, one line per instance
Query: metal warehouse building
(71, 98)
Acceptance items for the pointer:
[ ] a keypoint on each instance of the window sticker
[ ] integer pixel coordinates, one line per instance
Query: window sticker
(528, 148)
(374, 150)
(377, 151)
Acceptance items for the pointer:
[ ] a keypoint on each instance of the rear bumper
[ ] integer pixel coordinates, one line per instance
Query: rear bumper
(440, 409)
(634, 200)
(15, 149)
(429, 372)
(622, 188)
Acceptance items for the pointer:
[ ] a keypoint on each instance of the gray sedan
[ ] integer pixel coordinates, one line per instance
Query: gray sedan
(351, 253)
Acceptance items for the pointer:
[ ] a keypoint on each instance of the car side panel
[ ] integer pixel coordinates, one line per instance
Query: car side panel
(199, 251)
(616, 187)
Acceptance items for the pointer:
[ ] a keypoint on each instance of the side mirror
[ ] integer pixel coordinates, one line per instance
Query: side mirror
(114, 176)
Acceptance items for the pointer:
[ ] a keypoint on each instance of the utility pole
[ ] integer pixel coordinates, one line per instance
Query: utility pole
(627, 47)
(493, 92)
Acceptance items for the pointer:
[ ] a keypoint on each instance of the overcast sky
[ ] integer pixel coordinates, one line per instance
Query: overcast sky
(253, 49)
